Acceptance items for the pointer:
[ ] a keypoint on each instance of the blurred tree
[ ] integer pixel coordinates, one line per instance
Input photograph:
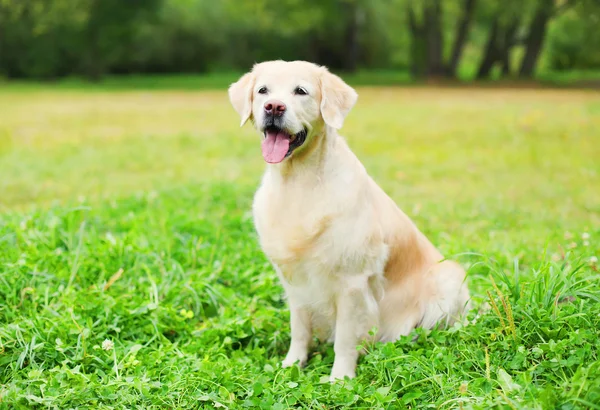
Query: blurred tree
(48, 39)
(519, 23)
(109, 31)
(536, 35)
(574, 40)
(36, 39)
(427, 37)
(181, 36)
(504, 20)
(460, 39)
(431, 38)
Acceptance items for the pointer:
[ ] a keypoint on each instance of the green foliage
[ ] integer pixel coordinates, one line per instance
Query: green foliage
(36, 40)
(575, 40)
(47, 39)
(197, 318)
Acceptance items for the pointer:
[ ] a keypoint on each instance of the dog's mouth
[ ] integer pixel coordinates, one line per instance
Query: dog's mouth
(279, 144)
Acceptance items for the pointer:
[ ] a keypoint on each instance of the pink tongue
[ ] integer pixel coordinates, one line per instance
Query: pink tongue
(275, 146)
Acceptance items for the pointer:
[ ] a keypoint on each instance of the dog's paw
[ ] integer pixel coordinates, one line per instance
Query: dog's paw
(342, 370)
(340, 377)
(291, 360)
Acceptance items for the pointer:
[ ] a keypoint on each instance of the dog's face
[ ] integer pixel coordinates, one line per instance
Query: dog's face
(290, 103)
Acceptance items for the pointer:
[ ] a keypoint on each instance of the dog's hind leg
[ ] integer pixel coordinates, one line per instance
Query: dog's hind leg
(450, 298)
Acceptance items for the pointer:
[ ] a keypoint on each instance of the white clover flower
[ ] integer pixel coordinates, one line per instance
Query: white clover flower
(593, 260)
(585, 236)
(108, 345)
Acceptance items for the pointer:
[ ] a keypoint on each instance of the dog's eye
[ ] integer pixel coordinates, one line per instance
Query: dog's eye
(300, 91)
(262, 90)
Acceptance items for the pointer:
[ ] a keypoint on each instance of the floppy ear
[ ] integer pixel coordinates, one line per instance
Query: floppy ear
(240, 95)
(337, 99)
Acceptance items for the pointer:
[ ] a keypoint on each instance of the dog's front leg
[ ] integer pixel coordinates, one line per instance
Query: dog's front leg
(301, 336)
(357, 314)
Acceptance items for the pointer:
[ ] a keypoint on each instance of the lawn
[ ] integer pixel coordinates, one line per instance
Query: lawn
(130, 275)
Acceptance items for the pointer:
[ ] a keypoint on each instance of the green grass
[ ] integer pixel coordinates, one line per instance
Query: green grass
(124, 217)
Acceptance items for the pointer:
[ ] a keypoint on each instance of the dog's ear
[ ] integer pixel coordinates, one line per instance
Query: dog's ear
(337, 99)
(240, 95)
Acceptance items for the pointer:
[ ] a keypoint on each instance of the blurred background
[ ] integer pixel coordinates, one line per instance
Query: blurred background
(555, 40)
(126, 186)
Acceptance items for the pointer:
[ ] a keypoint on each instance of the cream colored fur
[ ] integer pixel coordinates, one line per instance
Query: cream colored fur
(348, 258)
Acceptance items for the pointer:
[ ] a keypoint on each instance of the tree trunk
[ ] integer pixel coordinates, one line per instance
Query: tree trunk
(354, 18)
(507, 43)
(94, 66)
(505, 62)
(535, 38)
(461, 36)
(434, 38)
(491, 52)
(418, 46)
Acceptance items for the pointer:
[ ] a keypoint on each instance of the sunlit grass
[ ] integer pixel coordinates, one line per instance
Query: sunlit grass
(157, 185)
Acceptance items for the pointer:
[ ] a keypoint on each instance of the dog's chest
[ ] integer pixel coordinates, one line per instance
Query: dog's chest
(290, 222)
(296, 240)
(316, 233)
(303, 254)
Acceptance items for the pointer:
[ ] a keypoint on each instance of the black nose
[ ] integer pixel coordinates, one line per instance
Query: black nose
(274, 107)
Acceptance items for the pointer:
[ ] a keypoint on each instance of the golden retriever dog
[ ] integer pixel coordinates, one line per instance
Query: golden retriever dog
(349, 259)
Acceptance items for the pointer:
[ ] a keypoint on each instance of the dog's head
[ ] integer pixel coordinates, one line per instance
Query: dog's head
(290, 104)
